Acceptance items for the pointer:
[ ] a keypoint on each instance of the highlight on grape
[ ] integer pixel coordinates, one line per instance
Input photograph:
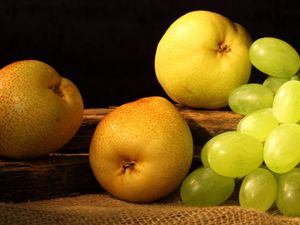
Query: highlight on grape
(263, 154)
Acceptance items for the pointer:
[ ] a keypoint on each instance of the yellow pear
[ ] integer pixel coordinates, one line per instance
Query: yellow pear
(39, 110)
(142, 150)
(201, 58)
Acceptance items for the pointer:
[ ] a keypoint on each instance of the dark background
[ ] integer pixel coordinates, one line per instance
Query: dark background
(107, 47)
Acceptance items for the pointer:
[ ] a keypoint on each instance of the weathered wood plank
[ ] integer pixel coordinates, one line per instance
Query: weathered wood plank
(204, 124)
(56, 175)
(63, 173)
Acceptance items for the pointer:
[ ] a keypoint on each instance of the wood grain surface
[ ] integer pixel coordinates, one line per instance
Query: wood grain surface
(67, 172)
(204, 124)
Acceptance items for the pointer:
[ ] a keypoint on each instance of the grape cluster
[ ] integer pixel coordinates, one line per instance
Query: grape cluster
(263, 153)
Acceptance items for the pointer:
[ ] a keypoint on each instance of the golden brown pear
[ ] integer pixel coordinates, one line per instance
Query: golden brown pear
(39, 110)
(142, 150)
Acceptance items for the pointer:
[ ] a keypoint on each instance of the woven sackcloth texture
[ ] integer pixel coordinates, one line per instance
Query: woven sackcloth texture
(102, 209)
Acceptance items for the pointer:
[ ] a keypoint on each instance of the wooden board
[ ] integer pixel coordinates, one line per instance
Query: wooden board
(68, 172)
(56, 175)
(204, 124)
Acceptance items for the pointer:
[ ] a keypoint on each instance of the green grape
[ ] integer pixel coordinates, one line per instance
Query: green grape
(258, 123)
(274, 82)
(233, 154)
(286, 104)
(203, 187)
(250, 97)
(258, 190)
(274, 57)
(281, 148)
(288, 197)
(203, 156)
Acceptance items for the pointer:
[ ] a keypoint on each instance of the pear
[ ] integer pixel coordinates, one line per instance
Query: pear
(201, 58)
(40, 110)
(142, 150)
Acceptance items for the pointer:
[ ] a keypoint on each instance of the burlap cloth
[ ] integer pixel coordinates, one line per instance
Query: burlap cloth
(103, 209)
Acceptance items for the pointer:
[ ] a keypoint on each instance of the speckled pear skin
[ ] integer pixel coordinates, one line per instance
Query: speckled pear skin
(142, 150)
(39, 110)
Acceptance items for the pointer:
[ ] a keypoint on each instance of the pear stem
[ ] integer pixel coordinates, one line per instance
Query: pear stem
(128, 165)
(223, 48)
(57, 90)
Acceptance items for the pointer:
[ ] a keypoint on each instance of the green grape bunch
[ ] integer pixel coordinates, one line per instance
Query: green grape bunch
(263, 153)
